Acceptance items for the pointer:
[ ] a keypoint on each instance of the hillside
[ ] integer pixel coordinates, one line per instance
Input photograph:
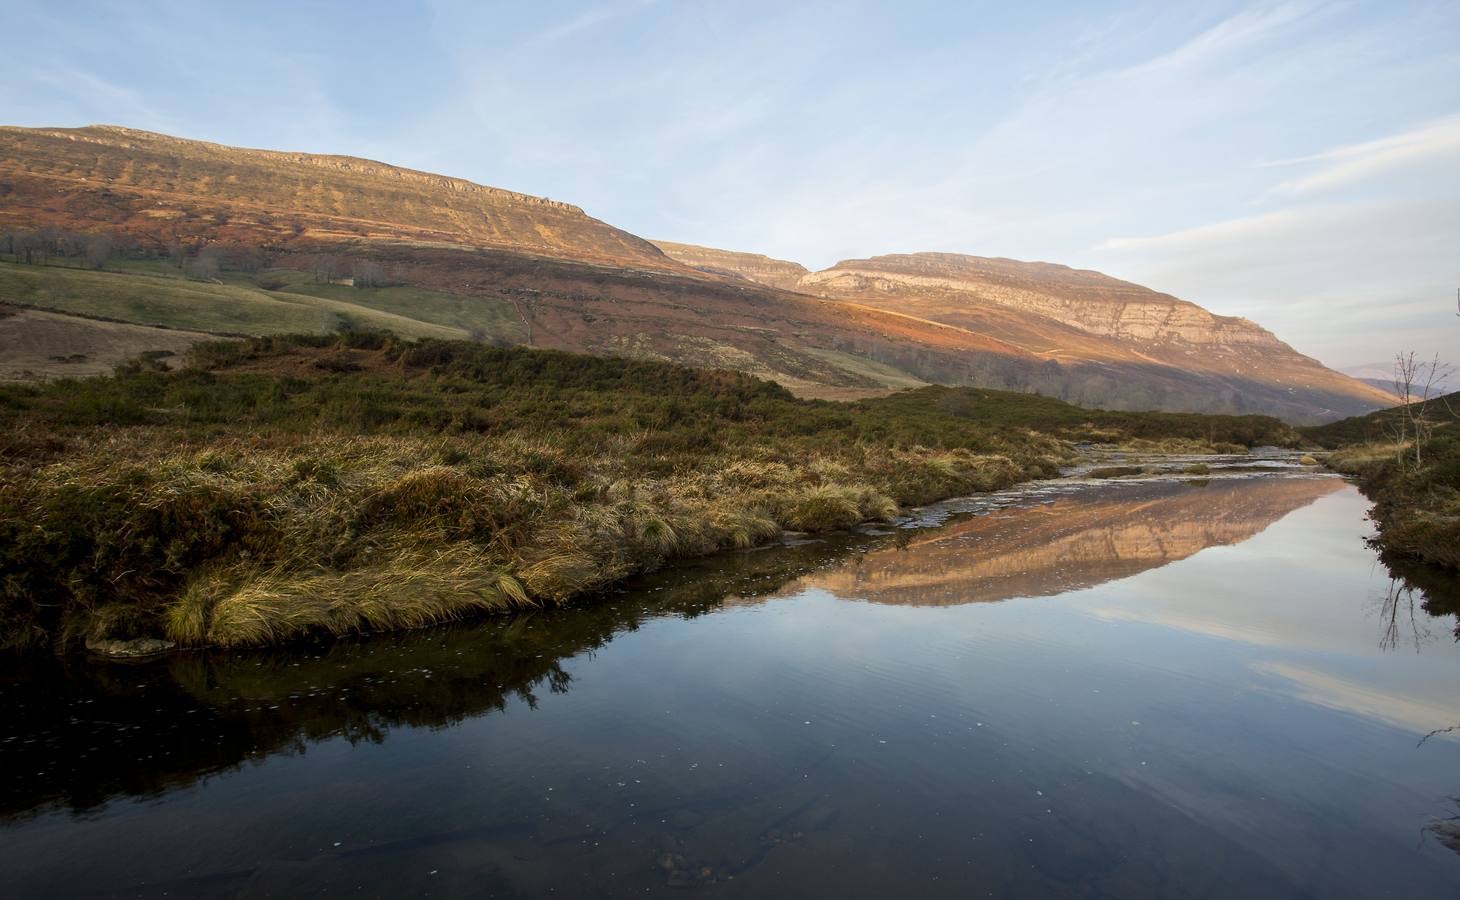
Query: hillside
(1384, 425)
(273, 242)
(1078, 316)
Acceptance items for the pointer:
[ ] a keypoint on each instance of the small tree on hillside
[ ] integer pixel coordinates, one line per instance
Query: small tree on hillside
(207, 264)
(1414, 385)
(325, 268)
(98, 250)
(367, 273)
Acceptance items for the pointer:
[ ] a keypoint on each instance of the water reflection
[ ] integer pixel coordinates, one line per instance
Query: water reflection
(84, 731)
(1167, 722)
(1068, 543)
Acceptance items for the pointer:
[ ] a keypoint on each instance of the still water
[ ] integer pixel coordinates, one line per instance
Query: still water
(1156, 688)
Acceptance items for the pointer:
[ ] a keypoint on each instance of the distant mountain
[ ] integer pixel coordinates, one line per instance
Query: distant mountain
(1381, 376)
(433, 255)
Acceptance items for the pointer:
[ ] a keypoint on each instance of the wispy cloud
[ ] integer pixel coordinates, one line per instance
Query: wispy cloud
(1240, 31)
(1355, 162)
(91, 91)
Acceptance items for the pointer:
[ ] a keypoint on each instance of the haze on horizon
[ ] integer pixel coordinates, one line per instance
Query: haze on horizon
(1297, 163)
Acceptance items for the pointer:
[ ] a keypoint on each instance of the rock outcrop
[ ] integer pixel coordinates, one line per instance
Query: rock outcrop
(756, 267)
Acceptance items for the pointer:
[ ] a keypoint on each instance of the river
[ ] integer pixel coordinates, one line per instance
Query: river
(1150, 687)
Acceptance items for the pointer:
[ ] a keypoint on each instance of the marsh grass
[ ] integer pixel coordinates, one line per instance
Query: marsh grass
(255, 497)
(1416, 507)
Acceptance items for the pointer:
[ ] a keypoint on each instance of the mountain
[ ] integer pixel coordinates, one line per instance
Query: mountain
(313, 242)
(1381, 375)
(1083, 317)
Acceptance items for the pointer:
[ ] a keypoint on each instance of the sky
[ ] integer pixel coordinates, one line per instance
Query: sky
(1297, 163)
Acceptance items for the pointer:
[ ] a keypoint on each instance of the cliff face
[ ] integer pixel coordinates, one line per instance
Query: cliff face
(777, 273)
(942, 283)
(1073, 315)
(165, 188)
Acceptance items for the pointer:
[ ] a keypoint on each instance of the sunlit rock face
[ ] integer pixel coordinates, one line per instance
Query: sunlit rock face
(166, 188)
(1082, 299)
(1068, 544)
(754, 267)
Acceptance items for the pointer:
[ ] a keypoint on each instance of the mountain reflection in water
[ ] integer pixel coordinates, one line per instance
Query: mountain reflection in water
(1073, 542)
(1245, 721)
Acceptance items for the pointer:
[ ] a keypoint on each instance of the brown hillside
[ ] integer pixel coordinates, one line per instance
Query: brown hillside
(579, 284)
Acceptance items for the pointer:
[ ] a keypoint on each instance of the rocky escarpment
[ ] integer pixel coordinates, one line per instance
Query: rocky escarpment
(755, 267)
(163, 189)
(1090, 301)
(1074, 315)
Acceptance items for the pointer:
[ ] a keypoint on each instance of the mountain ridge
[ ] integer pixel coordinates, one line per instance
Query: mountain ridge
(578, 283)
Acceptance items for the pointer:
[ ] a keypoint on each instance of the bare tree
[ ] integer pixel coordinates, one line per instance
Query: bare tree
(98, 250)
(29, 247)
(54, 287)
(367, 273)
(325, 268)
(247, 259)
(72, 245)
(1414, 385)
(176, 253)
(207, 263)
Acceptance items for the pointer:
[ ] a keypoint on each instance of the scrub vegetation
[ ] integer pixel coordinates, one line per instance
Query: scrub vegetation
(278, 487)
(1412, 475)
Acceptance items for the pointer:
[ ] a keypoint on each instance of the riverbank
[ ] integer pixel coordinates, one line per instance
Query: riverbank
(1416, 506)
(276, 488)
(1416, 491)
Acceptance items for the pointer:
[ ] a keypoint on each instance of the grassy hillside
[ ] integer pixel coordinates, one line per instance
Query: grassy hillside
(269, 302)
(283, 486)
(1380, 426)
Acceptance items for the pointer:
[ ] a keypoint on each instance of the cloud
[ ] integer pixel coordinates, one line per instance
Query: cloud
(1238, 32)
(1419, 715)
(87, 90)
(1360, 246)
(1357, 162)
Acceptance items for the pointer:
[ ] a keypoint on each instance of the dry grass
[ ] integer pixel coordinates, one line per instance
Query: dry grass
(250, 542)
(255, 497)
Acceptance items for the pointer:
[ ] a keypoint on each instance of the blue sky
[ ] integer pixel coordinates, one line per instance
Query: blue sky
(1294, 162)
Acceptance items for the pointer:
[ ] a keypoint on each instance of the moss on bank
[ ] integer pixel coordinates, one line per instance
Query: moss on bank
(285, 486)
